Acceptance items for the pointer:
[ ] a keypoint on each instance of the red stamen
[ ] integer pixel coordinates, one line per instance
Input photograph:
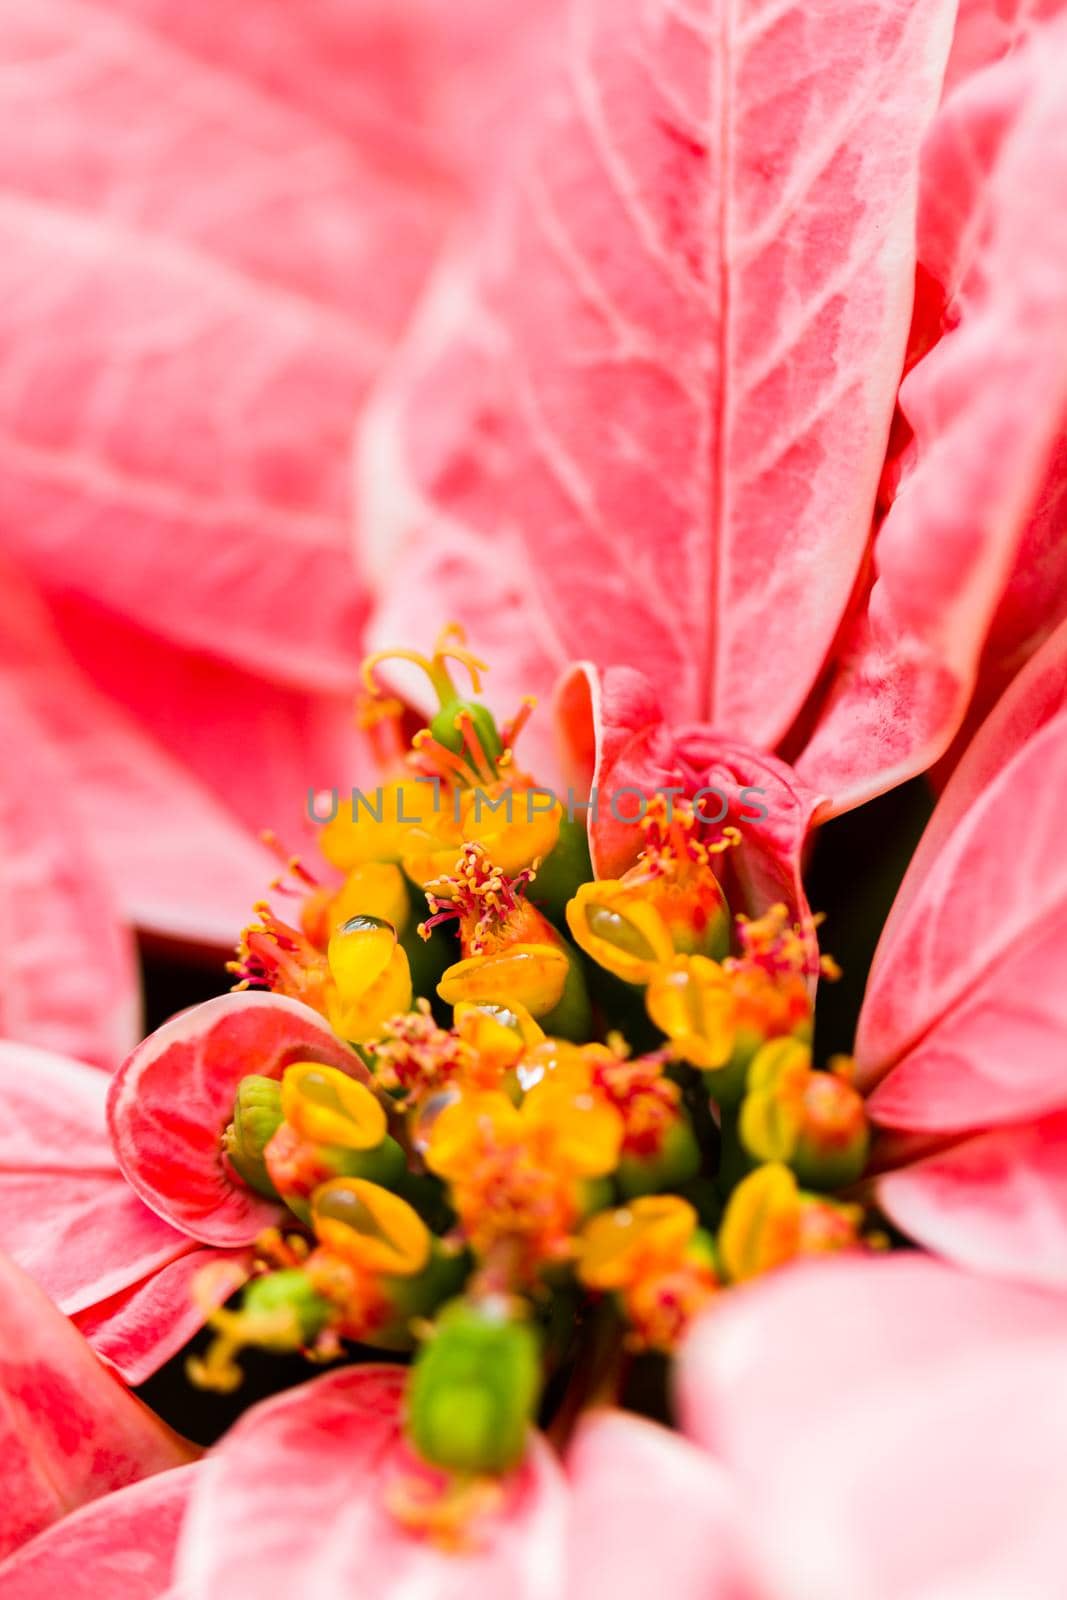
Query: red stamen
(477, 894)
(511, 730)
(475, 749)
(292, 866)
(274, 955)
(435, 760)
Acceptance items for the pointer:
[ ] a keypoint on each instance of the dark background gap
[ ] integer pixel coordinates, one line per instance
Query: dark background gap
(171, 982)
(856, 867)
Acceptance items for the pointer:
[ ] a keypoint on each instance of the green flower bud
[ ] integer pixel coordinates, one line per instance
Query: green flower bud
(286, 1299)
(474, 1388)
(446, 728)
(727, 1084)
(675, 1162)
(279, 1312)
(386, 1165)
(813, 1122)
(451, 704)
(257, 1115)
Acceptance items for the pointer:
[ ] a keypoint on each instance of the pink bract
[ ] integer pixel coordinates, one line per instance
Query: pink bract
(890, 1427)
(960, 1037)
(968, 552)
(672, 449)
(69, 1432)
(305, 1475)
(172, 857)
(216, 469)
(70, 1219)
(193, 318)
(171, 1100)
(68, 980)
(667, 214)
(650, 1514)
(122, 1544)
(308, 1474)
(988, 30)
(115, 1194)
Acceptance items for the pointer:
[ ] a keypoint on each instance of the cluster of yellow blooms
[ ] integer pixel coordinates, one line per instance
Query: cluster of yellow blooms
(582, 1100)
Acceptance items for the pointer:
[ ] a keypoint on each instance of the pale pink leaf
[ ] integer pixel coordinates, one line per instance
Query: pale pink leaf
(995, 1203)
(68, 980)
(121, 1545)
(649, 1514)
(138, 1329)
(864, 1316)
(83, 1235)
(988, 30)
(54, 1113)
(68, 1430)
(193, 317)
(257, 747)
(1033, 604)
(176, 860)
(951, 224)
(202, 308)
(293, 1500)
(955, 543)
(69, 1218)
(963, 1022)
(171, 1100)
(653, 426)
(1036, 696)
(195, 313)
(422, 82)
(894, 1427)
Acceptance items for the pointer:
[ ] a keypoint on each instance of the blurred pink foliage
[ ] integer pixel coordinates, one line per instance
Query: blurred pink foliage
(727, 340)
(213, 228)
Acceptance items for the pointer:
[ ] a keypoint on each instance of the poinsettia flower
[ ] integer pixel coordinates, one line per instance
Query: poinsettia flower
(655, 429)
(193, 317)
(839, 1419)
(69, 1431)
(647, 419)
(114, 1203)
(115, 503)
